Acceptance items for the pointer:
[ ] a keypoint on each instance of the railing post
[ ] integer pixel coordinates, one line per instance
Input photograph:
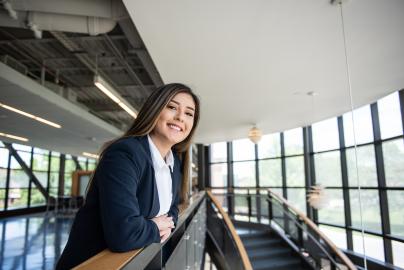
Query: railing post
(300, 232)
(333, 266)
(270, 214)
(249, 205)
(230, 202)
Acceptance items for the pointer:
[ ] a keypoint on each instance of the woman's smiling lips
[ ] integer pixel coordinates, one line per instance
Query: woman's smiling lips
(174, 126)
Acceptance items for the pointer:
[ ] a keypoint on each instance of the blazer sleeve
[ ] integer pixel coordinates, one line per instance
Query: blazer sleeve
(124, 227)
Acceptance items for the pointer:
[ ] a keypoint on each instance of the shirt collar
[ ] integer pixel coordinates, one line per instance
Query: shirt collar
(158, 161)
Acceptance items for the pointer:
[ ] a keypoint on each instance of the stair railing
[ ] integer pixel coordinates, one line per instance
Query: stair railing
(305, 233)
(218, 214)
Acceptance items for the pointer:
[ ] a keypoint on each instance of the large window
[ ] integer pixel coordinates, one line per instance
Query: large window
(17, 191)
(390, 116)
(218, 169)
(347, 160)
(325, 135)
(270, 173)
(269, 146)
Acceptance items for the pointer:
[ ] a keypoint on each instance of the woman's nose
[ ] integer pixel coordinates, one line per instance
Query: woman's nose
(179, 116)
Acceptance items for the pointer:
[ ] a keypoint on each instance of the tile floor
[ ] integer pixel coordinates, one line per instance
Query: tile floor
(32, 242)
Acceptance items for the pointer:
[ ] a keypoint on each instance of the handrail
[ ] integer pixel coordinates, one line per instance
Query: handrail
(314, 227)
(243, 253)
(107, 260)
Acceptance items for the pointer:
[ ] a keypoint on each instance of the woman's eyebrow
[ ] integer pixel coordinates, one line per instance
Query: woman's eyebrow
(176, 102)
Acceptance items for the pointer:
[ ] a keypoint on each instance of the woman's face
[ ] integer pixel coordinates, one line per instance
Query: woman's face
(176, 120)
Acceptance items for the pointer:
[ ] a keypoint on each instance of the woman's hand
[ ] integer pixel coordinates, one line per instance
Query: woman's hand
(164, 235)
(164, 223)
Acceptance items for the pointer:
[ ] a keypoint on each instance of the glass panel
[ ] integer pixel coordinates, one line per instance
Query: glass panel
(82, 162)
(70, 165)
(373, 245)
(26, 157)
(68, 184)
(91, 165)
(370, 209)
(325, 135)
(17, 198)
(55, 163)
(218, 152)
(398, 251)
(37, 198)
(396, 211)
(40, 162)
(393, 157)
(240, 201)
(336, 235)
(54, 180)
(42, 177)
(21, 147)
(295, 171)
(390, 116)
(41, 151)
(2, 199)
(297, 197)
(53, 191)
(270, 172)
(293, 141)
(366, 166)
(3, 177)
(18, 179)
(218, 175)
(269, 146)
(244, 174)
(363, 126)
(243, 150)
(3, 158)
(328, 168)
(83, 165)
(333, 212)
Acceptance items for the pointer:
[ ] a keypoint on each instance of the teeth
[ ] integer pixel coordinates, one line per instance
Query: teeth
(175, 127)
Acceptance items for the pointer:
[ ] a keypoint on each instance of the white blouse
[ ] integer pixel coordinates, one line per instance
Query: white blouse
(163, 176)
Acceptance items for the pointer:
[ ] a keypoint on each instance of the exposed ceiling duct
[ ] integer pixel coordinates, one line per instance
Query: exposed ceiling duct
(92, 17)
(61, 45)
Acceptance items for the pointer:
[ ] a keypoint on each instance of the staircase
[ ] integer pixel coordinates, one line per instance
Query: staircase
(267, 250)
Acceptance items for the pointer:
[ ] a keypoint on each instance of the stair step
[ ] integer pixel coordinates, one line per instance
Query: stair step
(277, 263)
(268, 252)
(263, 242)
(258, 234)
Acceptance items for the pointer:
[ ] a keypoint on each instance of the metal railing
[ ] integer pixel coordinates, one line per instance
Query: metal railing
(305, 237)
(183, 250)
(224, 238)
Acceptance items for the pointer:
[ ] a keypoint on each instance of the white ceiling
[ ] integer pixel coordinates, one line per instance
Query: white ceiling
(253, 61)
(249, 61)
(78, 125)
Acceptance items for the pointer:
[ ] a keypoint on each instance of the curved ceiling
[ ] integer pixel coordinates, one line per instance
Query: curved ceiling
(254, 61)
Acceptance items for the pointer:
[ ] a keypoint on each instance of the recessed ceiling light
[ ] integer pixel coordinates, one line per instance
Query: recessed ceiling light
(14, 137)
(90, 155)
(39, 119)
(108, 90)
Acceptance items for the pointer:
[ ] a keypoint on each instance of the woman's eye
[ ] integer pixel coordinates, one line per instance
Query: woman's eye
(190, 114)
(171, 107)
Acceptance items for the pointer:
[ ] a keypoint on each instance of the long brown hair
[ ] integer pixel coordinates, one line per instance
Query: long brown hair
(147, 120)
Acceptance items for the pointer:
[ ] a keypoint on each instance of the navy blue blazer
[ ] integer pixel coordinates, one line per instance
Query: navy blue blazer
(120, 203)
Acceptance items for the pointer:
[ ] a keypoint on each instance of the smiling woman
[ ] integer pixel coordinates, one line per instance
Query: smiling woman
(132, 199)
